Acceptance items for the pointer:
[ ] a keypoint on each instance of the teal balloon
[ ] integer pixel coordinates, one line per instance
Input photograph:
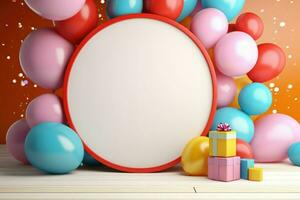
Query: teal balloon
(231, 8)
(188, 7)
(255, 99)
(117, 8)
(238, 120)
(53, 148)
(294, 153)
(88, 160)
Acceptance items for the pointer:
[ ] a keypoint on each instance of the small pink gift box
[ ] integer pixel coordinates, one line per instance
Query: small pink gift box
(224, 168)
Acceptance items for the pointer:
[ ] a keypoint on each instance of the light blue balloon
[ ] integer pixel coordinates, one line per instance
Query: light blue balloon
(88, 160)
(294, 153)
(188, 7)
(255, 99)
(231, 8)
(238, 120)
(53, 148)
(117, 8)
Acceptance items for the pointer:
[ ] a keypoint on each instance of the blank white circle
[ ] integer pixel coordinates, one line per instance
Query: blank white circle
(137, 91)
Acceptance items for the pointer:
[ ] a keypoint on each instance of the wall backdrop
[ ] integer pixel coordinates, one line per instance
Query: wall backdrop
(281, 18)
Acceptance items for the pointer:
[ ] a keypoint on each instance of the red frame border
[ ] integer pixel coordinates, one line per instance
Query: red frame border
(103, 26)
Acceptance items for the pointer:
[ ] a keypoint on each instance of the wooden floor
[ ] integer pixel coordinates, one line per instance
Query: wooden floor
(282, 181)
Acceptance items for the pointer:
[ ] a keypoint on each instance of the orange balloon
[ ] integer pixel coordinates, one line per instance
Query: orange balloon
(187, 22)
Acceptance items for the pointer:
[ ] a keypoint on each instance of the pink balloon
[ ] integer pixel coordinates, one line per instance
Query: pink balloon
(235, 54)
(55, 9)
(226, 90)
(44, 108)
(15, 139)
(43, 57)
(197, 8)
(209, 25)
(274, 133)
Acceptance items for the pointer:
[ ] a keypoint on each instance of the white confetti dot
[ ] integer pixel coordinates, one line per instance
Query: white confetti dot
(290, 86)
(290, 56)
(22, 115)
(287, 46)
(276, 89)
(3, 44)
(20, 75)
(8, 57)
(35, 85)
(262, 10)
(271, 85)
(282, 24)
(20, 25)
(274, 111)
(14, 81)
(296, 98)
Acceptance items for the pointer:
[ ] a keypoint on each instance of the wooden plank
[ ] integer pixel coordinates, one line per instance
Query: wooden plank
(281, 181)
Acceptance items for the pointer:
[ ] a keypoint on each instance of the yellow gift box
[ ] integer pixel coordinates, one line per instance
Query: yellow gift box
(222, 143)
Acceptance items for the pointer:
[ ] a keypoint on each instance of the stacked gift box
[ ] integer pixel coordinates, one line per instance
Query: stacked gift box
(223, 164)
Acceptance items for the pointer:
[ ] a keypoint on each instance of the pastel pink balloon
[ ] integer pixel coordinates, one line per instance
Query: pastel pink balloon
(209, 25)
(226, 90)
(44, 108)
(274, 133)
(44, 56)
(55, 9)
(197, 8)
(235, 54)
(15, 139)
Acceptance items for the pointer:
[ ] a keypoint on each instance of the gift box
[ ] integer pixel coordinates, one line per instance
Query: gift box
(222, 143)
(245, 165)
(255, 174)
(224, 169)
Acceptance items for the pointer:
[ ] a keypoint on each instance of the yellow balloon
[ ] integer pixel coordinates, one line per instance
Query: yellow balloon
(194, 156)
(240, 83)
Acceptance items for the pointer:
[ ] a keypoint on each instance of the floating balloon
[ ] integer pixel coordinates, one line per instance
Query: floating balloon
(187, 22)
(240, 82)
(231, 8)
(255, 99)
(77, 27)
(197, 8)
(44, 108)
(270, 63)
(274, 133)
(226, 90)
(55, 9)
(54, 148)
(44, 55)
(294, 154)
(251, 24)
(167, 8)
(243, 149)
(15, 139)
(235, 54)
(231, 28)
(238, 120)
(117, 8)
(209, 25)
(194, 156)
(89, 160)
(188, 7)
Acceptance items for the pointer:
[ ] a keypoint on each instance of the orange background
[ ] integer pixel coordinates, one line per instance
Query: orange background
(281, 19)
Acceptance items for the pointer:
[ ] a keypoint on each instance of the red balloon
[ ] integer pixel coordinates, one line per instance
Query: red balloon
(270, 63)
(251, 24)
(77, 27)
(231, 28)
(168, 8)
(243, 149)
